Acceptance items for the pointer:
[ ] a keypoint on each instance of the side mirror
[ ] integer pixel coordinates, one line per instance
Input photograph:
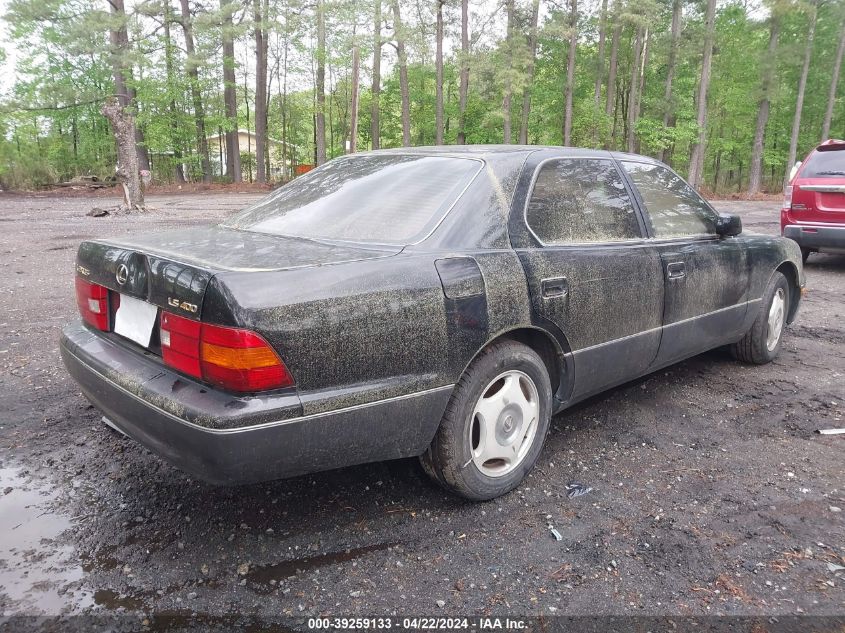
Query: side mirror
(794, 170)
(728, 225)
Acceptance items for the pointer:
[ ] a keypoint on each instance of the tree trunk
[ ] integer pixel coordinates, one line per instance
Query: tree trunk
(570, 71)
(375, 131)
(122, 73)
(402, 60)
(282, 81)
(196, 96)
(353, 125)
(175, 143)
(696, 169)
(438, 88)
(532, 60)
(600, 54)
(320, 115)
(248, 131)
(834, 80)
(261, 153)
(632, 91)
(755, 176)
(668, 106)
(802, 86)
(464, 85)
(716, 168)
(140, 143)
(75, 137)
(330, 112)
(507, 135)
(230, 94)
(128, 169)
(610, 106)
(641, 86)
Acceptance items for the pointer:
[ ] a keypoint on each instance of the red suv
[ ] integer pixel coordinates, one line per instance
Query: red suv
(813, 212)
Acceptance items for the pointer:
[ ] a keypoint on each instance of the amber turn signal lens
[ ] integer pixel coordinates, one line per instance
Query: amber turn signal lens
(234, 358)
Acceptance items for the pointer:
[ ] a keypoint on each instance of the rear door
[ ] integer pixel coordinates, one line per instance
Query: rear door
(590, 270)
(706, 277)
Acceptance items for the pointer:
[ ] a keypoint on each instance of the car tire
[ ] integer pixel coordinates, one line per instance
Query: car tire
(491, 436)
(805, 255)
(761, 343)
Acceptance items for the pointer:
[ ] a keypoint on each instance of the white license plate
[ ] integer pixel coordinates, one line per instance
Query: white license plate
(135, 319)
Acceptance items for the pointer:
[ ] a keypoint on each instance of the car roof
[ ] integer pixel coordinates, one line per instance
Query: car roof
(831, 144)
(492, 152)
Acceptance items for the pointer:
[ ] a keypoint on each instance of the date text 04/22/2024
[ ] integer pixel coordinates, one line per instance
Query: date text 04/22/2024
(419, 624)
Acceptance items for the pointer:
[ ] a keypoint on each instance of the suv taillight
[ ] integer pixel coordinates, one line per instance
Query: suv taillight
(787, 197)
(232, 358)
(93, 302)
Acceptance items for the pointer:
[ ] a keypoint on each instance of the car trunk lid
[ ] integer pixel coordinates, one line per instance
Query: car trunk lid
(823, 199)
(172, 270)
(171, 266)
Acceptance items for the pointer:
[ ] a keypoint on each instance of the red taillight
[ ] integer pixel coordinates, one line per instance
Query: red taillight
(235, 359)
(787, 197)
(180, 343)
(93, 302)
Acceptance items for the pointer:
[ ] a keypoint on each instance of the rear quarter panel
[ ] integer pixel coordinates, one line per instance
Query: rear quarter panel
(349, 333)
(356, 333)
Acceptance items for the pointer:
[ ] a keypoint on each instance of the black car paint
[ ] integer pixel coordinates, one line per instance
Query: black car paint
(368, 330)
(262, 437)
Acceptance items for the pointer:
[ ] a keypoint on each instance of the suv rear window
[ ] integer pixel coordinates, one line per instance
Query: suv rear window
(825, 164)
(384, 199)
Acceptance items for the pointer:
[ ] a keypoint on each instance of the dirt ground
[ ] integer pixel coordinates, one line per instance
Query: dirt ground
(711, 494)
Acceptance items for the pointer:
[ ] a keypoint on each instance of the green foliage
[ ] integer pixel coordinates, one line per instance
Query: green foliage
(51, 128)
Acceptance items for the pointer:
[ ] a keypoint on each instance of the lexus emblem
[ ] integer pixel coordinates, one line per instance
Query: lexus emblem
(122, 274)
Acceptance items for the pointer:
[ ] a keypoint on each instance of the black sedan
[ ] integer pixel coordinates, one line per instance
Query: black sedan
(433, 302)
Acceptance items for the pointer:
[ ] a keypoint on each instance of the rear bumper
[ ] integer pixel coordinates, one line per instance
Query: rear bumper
(817, 237)
(226, 439)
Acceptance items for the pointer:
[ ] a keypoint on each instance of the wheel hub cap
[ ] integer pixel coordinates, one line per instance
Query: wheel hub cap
(510, 420)
(777, 314)
(504, 423)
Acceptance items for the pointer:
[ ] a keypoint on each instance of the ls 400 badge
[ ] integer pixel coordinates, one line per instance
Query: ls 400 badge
(182, 305)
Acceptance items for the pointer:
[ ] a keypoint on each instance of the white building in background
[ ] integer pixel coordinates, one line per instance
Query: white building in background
(246, 141)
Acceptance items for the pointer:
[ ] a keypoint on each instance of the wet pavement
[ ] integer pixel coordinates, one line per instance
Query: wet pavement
(39, 573)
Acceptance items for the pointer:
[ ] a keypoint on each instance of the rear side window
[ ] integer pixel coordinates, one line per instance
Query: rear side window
(379, 198)
(581, 200)
(825, 164)
(676, 210)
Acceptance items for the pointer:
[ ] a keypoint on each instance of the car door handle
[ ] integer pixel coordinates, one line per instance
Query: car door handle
(552, 288)
(676, 270)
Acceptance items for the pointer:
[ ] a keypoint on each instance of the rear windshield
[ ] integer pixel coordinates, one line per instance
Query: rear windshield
(825, 164)
(385, 199)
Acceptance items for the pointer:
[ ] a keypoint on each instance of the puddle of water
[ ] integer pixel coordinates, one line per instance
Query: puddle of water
(113, 600)
(101, 560)
(34, 571)
(261, 576)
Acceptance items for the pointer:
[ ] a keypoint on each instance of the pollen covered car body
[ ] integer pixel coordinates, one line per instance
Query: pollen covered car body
(434, 302)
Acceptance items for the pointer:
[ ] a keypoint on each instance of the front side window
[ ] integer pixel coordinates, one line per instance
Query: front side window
(385, 199)
(578, 200)
(676, 210)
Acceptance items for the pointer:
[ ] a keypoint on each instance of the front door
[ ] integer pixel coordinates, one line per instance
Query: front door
(592, 273)
(706, 276)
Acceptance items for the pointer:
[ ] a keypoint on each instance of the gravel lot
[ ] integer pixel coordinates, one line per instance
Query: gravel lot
(710, 492)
